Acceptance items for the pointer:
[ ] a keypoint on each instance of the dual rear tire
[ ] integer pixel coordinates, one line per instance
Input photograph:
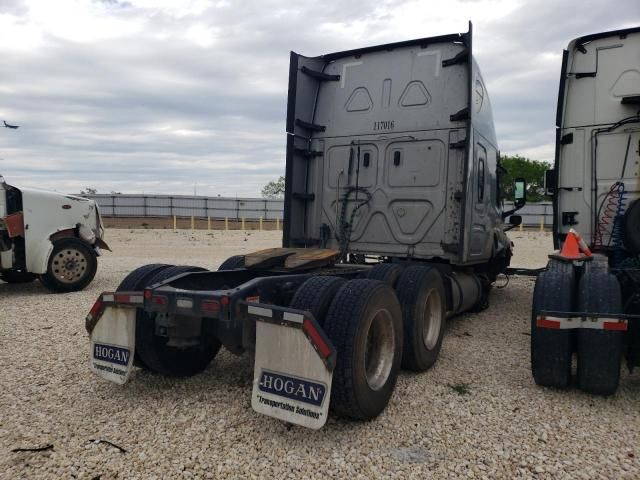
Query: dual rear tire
(363, 320)
(376, 330)
(152, 351)
(599, 352)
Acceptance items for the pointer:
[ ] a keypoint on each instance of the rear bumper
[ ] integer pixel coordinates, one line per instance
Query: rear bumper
(555, 320)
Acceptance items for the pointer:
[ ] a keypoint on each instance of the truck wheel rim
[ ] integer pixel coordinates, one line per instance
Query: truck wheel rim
(432, 319)
(380, 349)
(69, 265)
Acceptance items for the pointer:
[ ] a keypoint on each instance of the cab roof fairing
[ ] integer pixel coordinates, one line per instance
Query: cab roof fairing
(576, 43)
(482, 116)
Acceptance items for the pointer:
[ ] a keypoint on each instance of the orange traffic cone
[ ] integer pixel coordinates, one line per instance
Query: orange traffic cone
(574, 247)
(581, 243)
(571, 248)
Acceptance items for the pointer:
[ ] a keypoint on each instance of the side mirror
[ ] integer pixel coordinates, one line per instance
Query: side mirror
(550, 182)
(515, 220)
(519, 192)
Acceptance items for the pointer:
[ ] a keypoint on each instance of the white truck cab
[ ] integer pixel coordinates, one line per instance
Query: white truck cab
(47, 235)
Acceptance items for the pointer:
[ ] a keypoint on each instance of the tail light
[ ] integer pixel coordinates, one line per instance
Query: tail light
(210, 306)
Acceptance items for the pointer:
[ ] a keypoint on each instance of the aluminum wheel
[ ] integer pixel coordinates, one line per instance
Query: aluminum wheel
(380, 349)
(432, 319)
(69, 265)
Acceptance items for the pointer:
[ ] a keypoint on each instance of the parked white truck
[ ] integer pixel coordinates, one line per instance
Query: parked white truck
(51, 236)
(587, 305)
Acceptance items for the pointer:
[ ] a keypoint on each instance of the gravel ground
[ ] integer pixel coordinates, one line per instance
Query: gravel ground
(476, 414)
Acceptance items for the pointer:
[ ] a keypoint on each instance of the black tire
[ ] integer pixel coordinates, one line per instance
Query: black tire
(172, 271)
(599, 351)
(388, 273)
(598, 263)
(136, 280)
(631, 228)
(153, 350)
(316, 294)
(551, 350)
(364, 314)
(71, 267)
(423, 301)
(231, 263)
(13, 276)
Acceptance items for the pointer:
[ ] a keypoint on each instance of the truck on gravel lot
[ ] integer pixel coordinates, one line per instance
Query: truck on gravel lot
(393, 223)
(587, 301)
(54, 237)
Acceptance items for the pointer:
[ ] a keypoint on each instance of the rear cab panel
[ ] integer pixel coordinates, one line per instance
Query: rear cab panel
(387, 139)
(597, 144)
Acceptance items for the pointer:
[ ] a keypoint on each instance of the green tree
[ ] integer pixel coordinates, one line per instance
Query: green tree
(531, 170)
(274, 189)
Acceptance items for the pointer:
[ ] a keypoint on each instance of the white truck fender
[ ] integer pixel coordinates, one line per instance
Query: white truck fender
(38, 256)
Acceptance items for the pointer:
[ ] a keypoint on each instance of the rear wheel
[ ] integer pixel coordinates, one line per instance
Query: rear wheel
(551, 349)
(422, 298)
(231, 263)
(155, 352)
(14, 276)
(364, 323)
(599, 351)
(386, 272)
(72, 266)
(316, 294)
(136, 281)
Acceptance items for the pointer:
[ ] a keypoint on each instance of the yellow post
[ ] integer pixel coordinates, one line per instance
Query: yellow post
(193, 223)
(542, 224)
(521, 227)
(260, 223)
(175, 224)
(277, 223)
(226, 223)
(209, 223)
(243, 223)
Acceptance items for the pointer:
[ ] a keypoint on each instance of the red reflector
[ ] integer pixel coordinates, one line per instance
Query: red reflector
(148, 294)
(159, 300)
(544, 323)
(97, 307)
(619, 326)
(210, 306)
(224, 300)
(316, 338)
(122, 298)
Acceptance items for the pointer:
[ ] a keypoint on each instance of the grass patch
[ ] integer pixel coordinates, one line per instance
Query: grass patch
(460, 388)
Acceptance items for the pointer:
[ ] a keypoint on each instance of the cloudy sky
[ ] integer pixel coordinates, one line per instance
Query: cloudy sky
(159, 96)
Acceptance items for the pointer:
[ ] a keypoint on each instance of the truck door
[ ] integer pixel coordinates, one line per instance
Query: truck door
(480, 201)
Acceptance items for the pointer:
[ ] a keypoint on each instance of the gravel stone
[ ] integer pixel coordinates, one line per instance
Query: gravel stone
(204, 427)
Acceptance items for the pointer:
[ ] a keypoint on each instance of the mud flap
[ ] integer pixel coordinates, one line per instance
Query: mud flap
(294, 364)
(113, 341)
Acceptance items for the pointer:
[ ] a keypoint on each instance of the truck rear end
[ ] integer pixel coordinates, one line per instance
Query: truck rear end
(587, 301)
(393, 223)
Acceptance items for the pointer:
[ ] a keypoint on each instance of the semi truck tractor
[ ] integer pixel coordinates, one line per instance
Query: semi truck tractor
(50, 236)
(393, 223)
(586, 304)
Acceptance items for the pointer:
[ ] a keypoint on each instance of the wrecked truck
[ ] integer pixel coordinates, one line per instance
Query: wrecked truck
(49, 236)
